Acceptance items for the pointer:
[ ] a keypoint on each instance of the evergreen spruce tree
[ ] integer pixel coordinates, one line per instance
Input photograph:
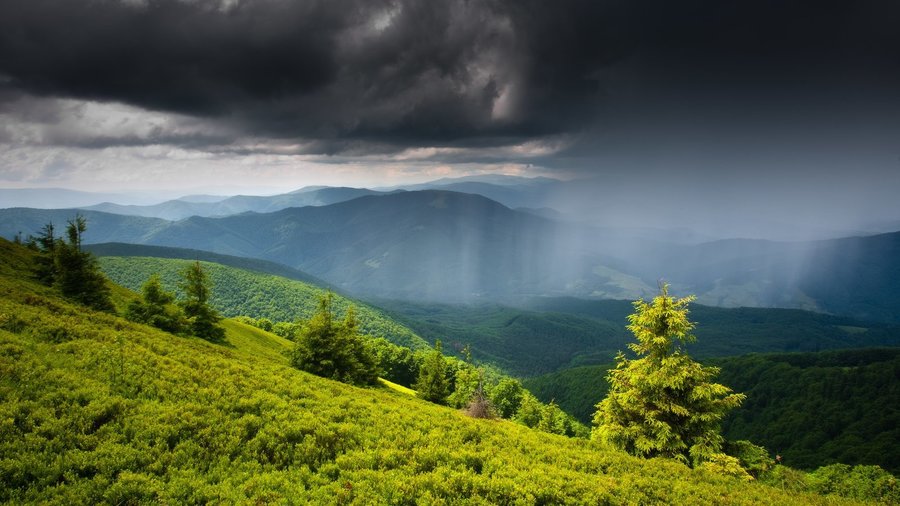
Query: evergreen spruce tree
(663, 403)
(45, 261)
(432, 383)
(70, 269)
(202, 318)
(336, 350)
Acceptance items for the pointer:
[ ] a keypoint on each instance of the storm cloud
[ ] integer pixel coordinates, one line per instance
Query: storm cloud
(447, 73)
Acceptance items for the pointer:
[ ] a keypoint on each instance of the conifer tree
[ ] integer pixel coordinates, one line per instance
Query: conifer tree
(202, 318)
(70, 269)
(432, 383)
(45, 261)
(332, 349)
(663, 403)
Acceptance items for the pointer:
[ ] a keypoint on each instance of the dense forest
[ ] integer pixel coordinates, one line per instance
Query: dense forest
(591, 332)
(811, 408)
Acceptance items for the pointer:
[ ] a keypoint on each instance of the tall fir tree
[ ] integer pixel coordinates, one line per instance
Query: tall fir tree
(663, 403)
(202, 318)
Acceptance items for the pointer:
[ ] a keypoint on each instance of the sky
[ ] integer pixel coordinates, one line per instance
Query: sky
(757, 101)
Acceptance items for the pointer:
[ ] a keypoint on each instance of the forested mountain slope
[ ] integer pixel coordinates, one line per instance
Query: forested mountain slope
(96, 409)
(813, 409)
(553, 333)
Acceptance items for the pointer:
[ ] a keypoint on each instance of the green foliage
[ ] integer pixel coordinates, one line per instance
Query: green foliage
(118, 412)
(547, 417)
(663, 403)
(332, 349)
(819, 408)
(396, 363)
(66, 266)
(467, 379)
(201, 316)
(45, 261)
(811, 408)
(242, 292)
(157, 308)
(589, 332)
(506, 397)
(432, 384)
(555, 421)
(866, 483)
(577, 390)
(530, 411)
(754, 459)
(725, 465)
(513, 339)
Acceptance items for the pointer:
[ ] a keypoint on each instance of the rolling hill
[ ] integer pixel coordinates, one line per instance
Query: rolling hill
(242, 292)
(97, 409)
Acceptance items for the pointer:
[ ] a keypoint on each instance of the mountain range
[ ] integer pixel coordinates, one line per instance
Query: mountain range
(448, 246)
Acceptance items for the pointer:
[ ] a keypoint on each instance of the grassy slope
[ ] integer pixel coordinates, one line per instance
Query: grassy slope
(812, 408)
(248, 293)
(96, 409)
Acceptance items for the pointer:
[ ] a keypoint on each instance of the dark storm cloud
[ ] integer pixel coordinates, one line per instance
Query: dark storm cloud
(461, 73)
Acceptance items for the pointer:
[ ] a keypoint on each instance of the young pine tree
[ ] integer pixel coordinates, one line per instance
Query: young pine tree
(202, 318)
(432, 383)
(663, 403)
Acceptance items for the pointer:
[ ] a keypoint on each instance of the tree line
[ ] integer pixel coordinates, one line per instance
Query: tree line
(335, 348)
(62, 263)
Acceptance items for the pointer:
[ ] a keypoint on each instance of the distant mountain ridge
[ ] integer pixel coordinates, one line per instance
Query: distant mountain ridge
(182, 208)
(448, 246)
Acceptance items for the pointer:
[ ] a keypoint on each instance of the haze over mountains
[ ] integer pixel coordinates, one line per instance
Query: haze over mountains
(669, 211)
(463, 247)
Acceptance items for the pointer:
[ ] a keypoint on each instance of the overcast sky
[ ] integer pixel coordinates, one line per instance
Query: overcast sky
(773, 97)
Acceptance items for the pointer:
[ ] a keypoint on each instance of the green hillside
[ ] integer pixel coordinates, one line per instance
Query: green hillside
(96, 409)
(119, 249)
(554, 333)
(248, 293)
(813, 409)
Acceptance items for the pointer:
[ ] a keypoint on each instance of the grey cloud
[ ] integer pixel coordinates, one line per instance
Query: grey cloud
(360, 76)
